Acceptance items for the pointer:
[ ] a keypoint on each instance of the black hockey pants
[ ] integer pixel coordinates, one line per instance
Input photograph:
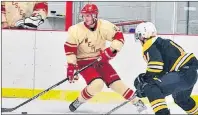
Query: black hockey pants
(179, 84)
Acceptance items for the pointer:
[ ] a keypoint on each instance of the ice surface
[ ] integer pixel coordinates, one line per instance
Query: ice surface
(61, 107)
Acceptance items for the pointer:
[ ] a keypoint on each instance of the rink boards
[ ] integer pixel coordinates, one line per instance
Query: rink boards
(34, 60)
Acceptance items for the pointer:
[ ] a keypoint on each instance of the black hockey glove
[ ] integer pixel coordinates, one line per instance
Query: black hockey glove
(139, 84)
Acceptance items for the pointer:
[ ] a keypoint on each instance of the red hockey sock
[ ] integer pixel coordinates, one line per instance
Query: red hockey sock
(128, 94)
(85, 94)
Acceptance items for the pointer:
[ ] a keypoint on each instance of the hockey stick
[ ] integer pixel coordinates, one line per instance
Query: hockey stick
(45, 91)
(124, 103)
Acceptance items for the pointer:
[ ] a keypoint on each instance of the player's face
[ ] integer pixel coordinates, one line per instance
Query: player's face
(88, 19)
(138, 36)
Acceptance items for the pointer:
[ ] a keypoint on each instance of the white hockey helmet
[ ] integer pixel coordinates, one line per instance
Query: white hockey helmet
(145, 30)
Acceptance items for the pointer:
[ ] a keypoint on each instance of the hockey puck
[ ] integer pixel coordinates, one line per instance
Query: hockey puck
(24, 113)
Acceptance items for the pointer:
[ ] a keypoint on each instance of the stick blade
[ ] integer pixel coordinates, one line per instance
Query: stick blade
(6, 109)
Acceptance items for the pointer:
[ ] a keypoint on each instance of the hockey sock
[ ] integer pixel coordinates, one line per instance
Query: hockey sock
(193, 111)
(92, 89)
(190, 106)
(85, 95)
(128, 94)
(120, 88)
(156, 99)
(160, 107)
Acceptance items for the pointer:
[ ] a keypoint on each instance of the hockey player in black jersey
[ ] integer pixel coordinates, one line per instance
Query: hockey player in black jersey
(170, 70)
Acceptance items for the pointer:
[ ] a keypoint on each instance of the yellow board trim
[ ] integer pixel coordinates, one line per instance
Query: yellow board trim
(66, 95)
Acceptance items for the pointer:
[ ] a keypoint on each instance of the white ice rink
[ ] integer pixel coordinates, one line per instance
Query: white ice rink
(61, 107)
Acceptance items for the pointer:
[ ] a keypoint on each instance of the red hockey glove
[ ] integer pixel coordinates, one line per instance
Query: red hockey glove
(70, 73)
(107, 55)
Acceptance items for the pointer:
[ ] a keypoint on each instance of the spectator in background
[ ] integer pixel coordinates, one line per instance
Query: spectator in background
(23, 15)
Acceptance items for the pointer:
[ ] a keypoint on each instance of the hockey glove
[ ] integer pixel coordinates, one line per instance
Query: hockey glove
(31, 22)
(70, 73)
(139, 84)
(107, 55)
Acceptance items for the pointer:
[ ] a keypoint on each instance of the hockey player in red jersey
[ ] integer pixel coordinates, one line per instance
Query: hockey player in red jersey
(85, 43)
(27, 15)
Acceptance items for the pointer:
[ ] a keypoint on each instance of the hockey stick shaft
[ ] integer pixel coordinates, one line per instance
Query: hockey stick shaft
(138, 104)
(122, 104)
(48, 89)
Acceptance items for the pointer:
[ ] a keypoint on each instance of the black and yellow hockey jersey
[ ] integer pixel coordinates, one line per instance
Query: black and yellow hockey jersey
(164, 55)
